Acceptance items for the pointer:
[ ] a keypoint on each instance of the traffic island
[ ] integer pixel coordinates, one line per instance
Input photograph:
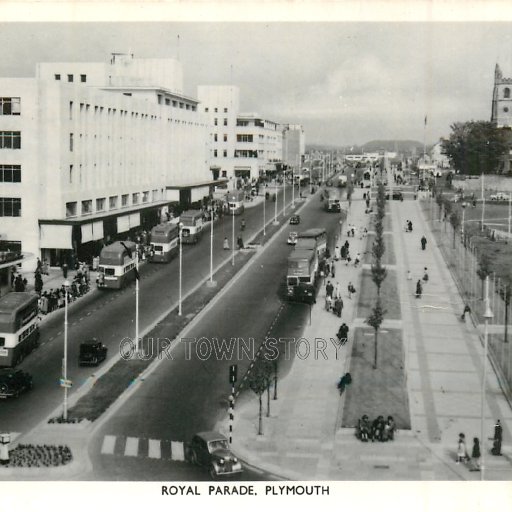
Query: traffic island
(38, 456)
(381, 390)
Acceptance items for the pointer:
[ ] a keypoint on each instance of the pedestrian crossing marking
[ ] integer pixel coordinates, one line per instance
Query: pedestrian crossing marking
(109, 443)
(177, 451)
(154, 449)
(141, 447)
(132, 446)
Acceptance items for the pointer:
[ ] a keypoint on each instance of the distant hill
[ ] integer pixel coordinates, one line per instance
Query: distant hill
(400, 146)
(374, 146)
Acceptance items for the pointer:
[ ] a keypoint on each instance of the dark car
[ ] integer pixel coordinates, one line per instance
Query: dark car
(295, 219)
(397, 194)
(92, 352)
(211, 450)
(13, 382)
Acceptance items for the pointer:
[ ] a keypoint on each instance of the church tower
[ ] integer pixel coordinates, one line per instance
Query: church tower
(501, 114)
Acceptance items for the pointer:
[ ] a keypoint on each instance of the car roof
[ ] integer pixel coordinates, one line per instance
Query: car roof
(211, 436)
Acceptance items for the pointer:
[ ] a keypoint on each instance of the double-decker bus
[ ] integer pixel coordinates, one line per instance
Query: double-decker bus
(192, 226)
(235, 200)
(303, 265)
(301, 277)
(19, 326)
(332, 201)
(117, 266)
(313, 239)
(164, 242)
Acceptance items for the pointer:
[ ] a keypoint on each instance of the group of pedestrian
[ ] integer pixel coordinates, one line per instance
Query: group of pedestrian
(476, 453)
(420, 283)
(378, 430)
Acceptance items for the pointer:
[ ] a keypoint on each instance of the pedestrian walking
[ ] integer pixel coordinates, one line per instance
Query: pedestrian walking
(337, 253)
(240, 242)
(467, 309)
(327, 268)
(419, 289)
(462, 455)
(423, 243)
(38, 283)
(329, 289)
(498, 437)
(350, 289)
(337, 290)
(226, 244)
(343, 333)
(475, 455)
(65, 270)
(39, 265)
(333, 270)
(409, 226)
(425, 275)
(357, 259)
(338, 306)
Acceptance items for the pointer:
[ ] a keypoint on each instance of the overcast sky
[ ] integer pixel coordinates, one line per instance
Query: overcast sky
(346, 83)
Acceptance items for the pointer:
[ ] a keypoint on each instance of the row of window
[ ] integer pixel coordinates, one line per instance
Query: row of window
(10, 173)
(216, 110)
(10, 106)
(216, 121)
(241, 153)
(87, 204)
(10, 140)
(175, 103)
(71, 78)
(216, 138)
(10, 207)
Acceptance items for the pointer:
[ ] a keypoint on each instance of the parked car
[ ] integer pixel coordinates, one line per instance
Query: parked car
(292, 238)
(499, 196)
(211, 450)
(397, 194)
(92, 352)
(295, 219)
(13, 382)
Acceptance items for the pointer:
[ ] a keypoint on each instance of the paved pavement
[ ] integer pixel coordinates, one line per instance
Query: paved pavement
(302, 438)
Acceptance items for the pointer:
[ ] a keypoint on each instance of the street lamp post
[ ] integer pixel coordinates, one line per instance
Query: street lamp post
(65, 359)
(137, 340)
(275, 203)
(483, 202)
(181, 266)
(211, 245)
(233, 237)
(293, 188)
(264, 214)
(509, 211)
(284, 194)
(487, 316)
(463, 205)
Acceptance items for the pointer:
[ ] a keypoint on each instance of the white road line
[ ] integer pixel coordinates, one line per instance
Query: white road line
(109, 443)
(132, 446)
(154, 449)
(177, 450)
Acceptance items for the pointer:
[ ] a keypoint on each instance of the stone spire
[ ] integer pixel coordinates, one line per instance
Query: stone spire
(498, 75)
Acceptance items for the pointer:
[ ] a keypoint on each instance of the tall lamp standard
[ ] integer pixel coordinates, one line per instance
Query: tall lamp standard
(487, 316)
(293, 188)
(137, 340)
(181, 265)
(65, 359)
(264, 215)
(463, 205)
(233, 236)
(509, 211)
(275, 203)
(212, 283)
(284, 193)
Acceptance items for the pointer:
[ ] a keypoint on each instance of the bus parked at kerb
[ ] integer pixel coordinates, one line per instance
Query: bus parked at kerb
(117, 265)
(301, 277)
(313, 239)
(235, 200)
(164, 242)
(303, 265)
(192, 226)
(19, 326)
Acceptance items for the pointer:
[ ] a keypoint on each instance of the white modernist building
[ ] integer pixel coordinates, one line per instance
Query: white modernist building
(245, 146)
(89, 151)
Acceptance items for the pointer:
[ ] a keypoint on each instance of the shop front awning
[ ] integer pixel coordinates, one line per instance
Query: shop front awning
(52, 236)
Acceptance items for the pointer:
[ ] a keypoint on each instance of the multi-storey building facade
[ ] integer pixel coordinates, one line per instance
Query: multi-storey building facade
(294, 145)
(90, 151)
(245, 146)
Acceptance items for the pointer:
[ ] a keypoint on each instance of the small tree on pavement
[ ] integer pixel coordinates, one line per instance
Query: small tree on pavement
(440, 201)
(258, 383)
(379, 274)
(484, 269)
(455, 222)
(375, 320)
